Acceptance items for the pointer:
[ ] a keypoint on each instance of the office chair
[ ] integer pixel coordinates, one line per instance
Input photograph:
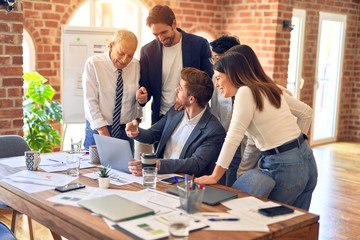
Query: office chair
(12, 146)
(255, 183)
(6, 233)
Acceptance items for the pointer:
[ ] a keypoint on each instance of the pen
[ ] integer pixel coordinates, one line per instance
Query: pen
(193, 185)
(176, 180)
(53, 160)
(186, 192)
(223, 219)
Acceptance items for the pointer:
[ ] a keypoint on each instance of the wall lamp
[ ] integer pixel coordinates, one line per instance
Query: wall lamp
(287, 25)
(9, 4)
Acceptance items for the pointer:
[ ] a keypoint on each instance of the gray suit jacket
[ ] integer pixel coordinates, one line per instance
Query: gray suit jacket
(201, 149)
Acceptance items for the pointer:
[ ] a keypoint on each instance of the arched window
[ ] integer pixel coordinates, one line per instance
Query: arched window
(129, 14)
(28, 52)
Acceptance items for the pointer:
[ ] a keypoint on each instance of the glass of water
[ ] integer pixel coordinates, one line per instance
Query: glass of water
(73, 165)
(149, 177)
(179, 226)
(76, 145)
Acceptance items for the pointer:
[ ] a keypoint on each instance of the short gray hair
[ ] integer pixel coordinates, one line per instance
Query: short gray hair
(123, 34)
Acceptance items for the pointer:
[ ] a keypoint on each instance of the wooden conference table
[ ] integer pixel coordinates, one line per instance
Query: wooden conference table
(78, 223)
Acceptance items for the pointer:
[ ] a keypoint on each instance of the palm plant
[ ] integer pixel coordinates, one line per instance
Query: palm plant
(39, 112)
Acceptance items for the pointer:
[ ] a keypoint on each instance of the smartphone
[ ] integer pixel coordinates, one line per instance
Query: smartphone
(171, 180)
(275, 211)
(69, 187)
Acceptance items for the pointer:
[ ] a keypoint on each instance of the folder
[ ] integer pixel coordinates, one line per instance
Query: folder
(116, 208)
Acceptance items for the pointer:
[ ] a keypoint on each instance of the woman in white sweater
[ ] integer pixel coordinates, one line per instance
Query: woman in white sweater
(265, 113)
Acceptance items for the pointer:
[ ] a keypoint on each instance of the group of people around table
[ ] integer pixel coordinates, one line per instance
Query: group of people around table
(178, 71)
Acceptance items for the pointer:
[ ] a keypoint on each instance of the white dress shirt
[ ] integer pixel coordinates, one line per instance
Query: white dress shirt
(176, 143)
(99, 86)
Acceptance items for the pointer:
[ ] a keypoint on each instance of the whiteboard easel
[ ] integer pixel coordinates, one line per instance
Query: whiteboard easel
(78, 44)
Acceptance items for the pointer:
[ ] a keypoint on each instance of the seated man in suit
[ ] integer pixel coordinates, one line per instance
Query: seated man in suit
(189, 140)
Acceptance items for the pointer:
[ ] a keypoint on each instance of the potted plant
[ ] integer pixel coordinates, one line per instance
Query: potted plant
(104, 177)
(39, 113)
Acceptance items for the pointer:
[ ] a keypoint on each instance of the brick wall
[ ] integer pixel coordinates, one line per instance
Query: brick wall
(354, 82)
(257, 23)
(11, 27)
(349, 118)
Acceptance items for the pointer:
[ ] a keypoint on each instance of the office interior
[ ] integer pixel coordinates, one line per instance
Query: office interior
(322, 68)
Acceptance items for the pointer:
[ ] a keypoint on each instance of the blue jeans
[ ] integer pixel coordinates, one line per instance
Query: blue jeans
(295, 174)
(89, 138)
(230, 175)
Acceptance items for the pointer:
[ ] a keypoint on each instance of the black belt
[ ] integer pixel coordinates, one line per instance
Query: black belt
(286, 146)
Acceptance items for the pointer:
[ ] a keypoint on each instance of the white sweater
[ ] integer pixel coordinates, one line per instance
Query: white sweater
(269, 128)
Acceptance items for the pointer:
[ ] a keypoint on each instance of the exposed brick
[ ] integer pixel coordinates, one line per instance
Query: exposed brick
(6, 103)
(10, 113)
(5, 124)
(49, 15)
(13, 92)
(11, 50)
(10, 82)
(18, 123)
(11, 71)
(5, 60)
(4, 27)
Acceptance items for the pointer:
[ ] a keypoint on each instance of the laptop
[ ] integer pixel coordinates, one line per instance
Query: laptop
(212, 196)
(114, 152)
(116, 208)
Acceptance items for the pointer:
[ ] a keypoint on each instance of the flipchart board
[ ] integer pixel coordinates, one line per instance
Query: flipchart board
(78, 44)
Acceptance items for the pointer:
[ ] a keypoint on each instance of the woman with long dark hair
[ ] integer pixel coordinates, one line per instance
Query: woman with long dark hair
(265, 113)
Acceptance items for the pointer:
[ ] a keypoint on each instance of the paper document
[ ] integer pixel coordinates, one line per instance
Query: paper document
(247, 209)
(159, 201)
(154, 227)
(219, 221)
(34, 181)
(14, 161)
(48, 159)
(71, 198)
(117, 178)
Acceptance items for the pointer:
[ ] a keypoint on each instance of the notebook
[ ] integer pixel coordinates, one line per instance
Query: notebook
(212, 195)
(114, 152)
(116, 208)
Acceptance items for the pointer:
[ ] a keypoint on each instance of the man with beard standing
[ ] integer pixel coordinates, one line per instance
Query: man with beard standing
(162, 59)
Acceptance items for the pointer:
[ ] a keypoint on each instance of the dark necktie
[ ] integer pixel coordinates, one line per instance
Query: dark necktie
(115, 132)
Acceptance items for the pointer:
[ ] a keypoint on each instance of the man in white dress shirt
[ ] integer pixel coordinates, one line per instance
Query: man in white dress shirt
(99, 84)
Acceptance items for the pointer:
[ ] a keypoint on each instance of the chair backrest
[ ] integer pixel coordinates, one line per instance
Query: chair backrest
(255, 182)
(12, 146)
(6, 233)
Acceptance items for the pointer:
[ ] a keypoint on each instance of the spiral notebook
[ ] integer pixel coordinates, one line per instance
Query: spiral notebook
(116, 208)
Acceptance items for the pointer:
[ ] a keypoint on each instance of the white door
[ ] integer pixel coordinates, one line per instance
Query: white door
(295, 80)
(328, 76)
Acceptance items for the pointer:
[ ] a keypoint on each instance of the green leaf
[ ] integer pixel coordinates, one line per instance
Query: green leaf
(39, 113)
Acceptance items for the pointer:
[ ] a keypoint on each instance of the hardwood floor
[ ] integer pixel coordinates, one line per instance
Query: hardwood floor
(336, 197)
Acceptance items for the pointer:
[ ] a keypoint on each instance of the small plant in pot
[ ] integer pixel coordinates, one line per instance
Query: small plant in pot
(104, 177)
